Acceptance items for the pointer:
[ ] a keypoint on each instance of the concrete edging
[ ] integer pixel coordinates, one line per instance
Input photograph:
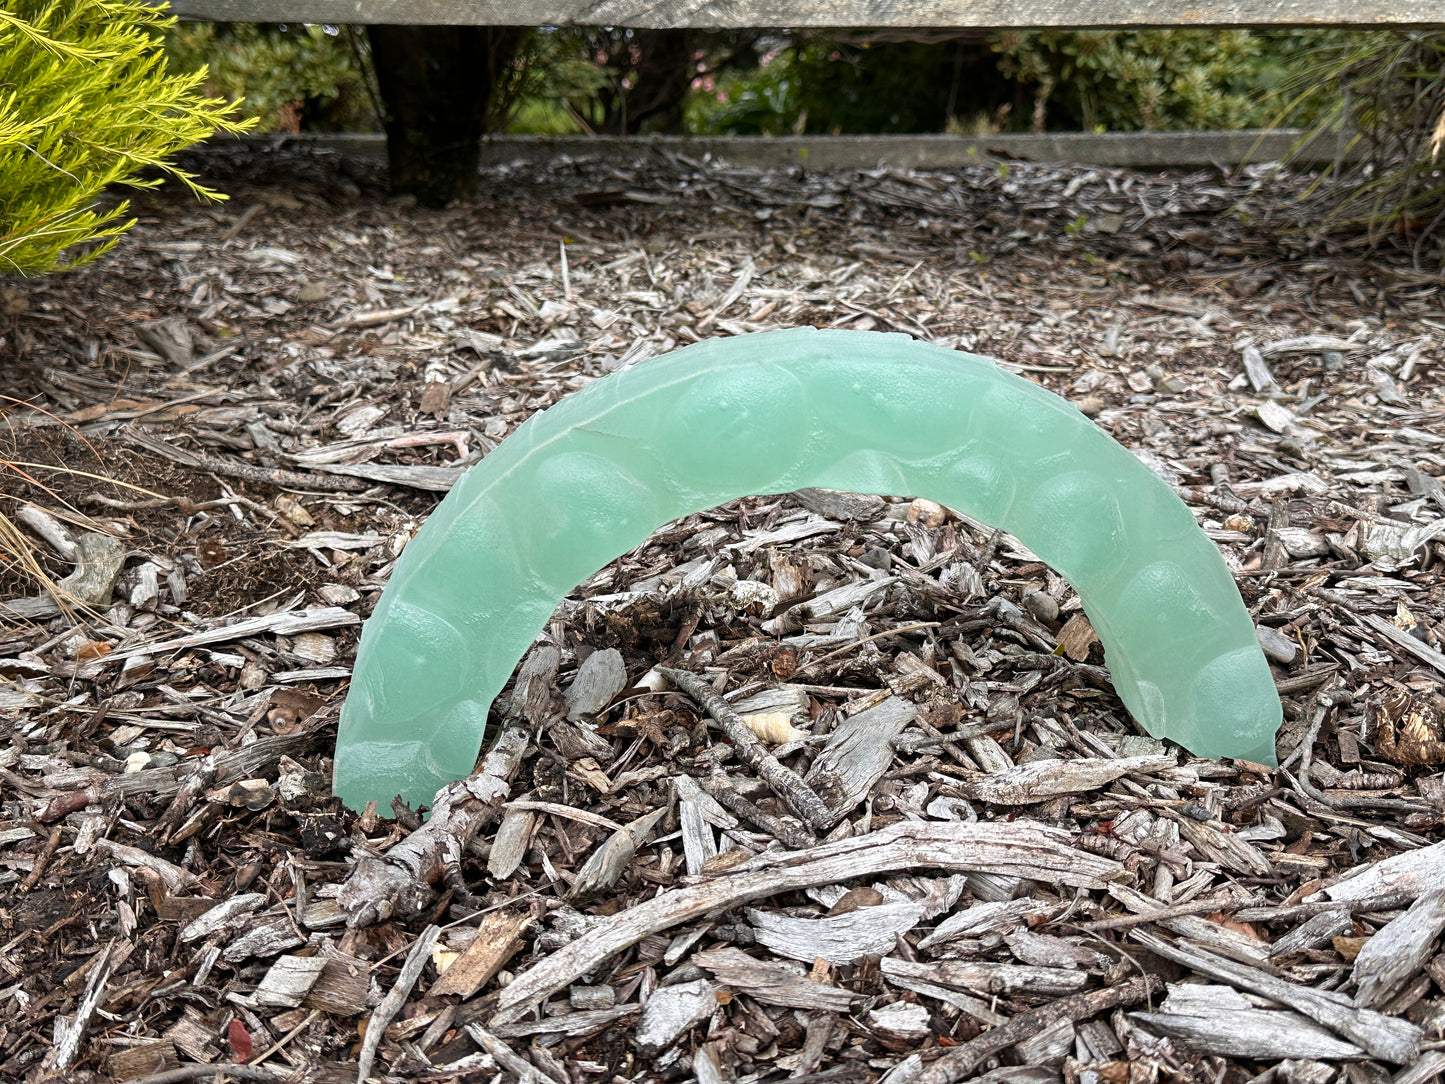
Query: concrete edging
(1139, 150)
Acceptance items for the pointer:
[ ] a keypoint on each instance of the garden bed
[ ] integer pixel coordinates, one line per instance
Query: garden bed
(262, 400)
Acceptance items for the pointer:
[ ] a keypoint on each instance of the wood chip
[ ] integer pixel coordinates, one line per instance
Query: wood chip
(978, 767)
(498, 938)
(1394, 955)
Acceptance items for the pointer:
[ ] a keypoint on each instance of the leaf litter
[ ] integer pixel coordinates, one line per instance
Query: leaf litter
(809, 786)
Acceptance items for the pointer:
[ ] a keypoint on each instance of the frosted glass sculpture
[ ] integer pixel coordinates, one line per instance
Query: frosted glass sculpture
(589, 479)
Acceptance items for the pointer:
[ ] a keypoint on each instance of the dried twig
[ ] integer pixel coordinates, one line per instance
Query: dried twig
(786, 783)
(246, 471)
(1007, 849)
(395, 998)
(211, 1072)
(1194, 907)
(720, 787)
(1387, 1037)
(961, 1061)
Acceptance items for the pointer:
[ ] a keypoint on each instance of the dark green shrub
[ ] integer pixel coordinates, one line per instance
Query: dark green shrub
(1039, 80)
(289, 78)
(1098, 80)
(618, 81)
(833, 86)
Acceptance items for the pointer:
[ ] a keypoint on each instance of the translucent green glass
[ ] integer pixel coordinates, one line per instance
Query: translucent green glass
(589, 479)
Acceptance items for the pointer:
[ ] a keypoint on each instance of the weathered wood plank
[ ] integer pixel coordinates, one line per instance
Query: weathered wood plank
(974, 14)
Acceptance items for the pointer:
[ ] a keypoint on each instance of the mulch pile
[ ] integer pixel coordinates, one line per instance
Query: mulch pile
(223, 434)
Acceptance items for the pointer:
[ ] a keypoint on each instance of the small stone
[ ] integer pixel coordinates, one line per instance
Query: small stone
(312, 292)
(926, 513)
(1237, 522)
(1042, 605)
(877, 557)
(1334, 360)
(1276, 645)
(1090, 405)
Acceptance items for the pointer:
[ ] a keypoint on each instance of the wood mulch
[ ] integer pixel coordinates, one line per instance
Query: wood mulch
(263, 399)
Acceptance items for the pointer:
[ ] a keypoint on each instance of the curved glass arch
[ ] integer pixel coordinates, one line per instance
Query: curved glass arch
(584, 482)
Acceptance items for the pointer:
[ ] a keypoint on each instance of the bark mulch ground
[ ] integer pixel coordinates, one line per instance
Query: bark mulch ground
(229, 428)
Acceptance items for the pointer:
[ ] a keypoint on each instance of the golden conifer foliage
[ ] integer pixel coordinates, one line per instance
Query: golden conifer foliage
(86, 102)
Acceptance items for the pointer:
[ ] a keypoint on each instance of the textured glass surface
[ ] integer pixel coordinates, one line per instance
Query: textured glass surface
(582, 483)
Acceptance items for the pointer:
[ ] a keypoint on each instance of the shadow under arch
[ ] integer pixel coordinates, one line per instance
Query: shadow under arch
(589, 479)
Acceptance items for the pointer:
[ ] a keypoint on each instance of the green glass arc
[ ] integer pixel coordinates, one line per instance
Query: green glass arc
(584, 482)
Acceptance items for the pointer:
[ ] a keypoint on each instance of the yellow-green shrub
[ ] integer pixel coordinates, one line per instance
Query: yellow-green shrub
(86, 102)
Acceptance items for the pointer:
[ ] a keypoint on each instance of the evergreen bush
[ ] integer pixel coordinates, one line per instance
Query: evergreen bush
(291, 78)
(828, 85)
(1042, 80)
(1108, 80)
(86, 102)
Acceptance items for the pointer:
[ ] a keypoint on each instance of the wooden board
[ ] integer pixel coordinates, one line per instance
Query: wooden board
(823, 13)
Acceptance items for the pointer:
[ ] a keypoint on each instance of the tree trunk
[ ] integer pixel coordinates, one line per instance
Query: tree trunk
(437, 86)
